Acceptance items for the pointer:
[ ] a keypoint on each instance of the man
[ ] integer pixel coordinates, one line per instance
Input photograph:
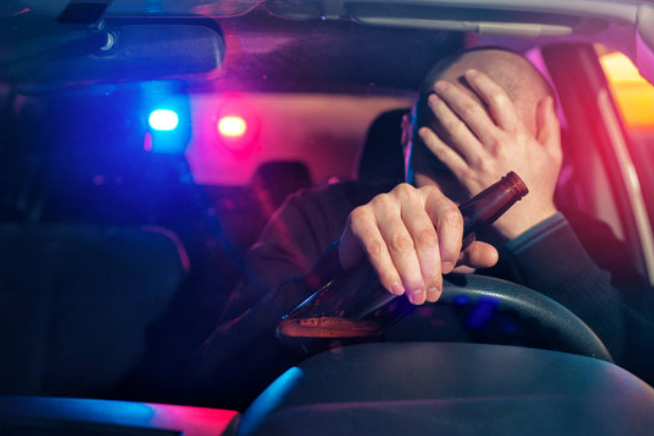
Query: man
(478, 153)
(480, 115)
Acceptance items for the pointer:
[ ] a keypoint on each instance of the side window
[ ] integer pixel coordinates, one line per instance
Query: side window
(600, 174)
(635, 99)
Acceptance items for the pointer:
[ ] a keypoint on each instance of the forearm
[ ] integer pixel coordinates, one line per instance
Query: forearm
(552, 260)
(244, 355)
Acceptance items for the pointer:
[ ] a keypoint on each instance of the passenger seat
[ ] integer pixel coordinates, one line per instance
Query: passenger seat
(76, 301)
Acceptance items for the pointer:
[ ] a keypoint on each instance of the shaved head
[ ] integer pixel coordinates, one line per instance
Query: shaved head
(523, 83)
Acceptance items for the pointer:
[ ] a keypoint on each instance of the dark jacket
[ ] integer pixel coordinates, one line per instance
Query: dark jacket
(296, 255)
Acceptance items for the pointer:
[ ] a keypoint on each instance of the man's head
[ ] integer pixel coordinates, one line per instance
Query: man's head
(524, 84)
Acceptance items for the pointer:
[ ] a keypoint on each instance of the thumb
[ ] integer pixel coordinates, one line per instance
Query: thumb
(479, 255)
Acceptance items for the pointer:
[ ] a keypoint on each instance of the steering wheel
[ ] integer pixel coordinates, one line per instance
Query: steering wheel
(430, 387)
(555, 322)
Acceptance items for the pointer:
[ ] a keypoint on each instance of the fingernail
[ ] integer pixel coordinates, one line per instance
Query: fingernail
(472, 73)
(433, 99)
(397, 288)
(440, 86)
(415, 296)
(433, 293)
(447, 267)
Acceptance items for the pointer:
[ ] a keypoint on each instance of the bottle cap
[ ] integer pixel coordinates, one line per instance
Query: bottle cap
(518, 185)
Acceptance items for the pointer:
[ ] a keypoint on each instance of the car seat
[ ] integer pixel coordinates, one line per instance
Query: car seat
(382, 157)
(76, 301)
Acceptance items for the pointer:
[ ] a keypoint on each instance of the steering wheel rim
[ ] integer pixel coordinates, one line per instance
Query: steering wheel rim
(357, 298)
(574, 335)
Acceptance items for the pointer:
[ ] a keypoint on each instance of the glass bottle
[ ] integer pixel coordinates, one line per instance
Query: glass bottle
(354, 305)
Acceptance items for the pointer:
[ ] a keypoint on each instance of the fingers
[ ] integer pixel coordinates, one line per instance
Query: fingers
(446, 154)
(426, 241)
(499, 104)
(474, 121)
(455, 103)
(479, 255)
(398, 229)
(447, 111)
(449, 225)
(410, 236)
(362, 237)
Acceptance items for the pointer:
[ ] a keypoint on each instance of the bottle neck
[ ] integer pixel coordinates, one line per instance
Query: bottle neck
(481, 211)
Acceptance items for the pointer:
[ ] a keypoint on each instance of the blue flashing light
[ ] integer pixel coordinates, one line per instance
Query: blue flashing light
(163, 119)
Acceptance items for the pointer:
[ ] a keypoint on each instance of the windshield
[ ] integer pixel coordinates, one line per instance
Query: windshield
(178, 176)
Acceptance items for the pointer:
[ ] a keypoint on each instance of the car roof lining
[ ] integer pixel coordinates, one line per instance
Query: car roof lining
(328, 28)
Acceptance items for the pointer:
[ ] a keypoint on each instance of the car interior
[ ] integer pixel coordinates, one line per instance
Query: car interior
(144, 145)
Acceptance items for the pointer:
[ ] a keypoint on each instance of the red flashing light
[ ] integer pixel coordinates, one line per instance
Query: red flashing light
(232, 126)
(237, 126)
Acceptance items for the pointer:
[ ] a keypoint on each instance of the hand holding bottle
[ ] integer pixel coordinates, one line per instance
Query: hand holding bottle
(351, 305)
(411, 236)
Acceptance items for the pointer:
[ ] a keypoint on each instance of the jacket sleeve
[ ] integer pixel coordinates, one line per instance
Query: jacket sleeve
(296, 254)
(244, 355)
(615, 303)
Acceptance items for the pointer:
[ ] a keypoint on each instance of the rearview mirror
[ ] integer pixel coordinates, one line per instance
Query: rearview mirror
(119, 51)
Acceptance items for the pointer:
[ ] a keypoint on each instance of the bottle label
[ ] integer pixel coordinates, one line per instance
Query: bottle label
(328, 327)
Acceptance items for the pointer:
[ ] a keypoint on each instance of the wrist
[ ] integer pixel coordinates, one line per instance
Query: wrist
(517, 221)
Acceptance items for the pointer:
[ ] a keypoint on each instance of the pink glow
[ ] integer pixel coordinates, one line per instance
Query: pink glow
(323, 131)
(147, 142)
(21, 12)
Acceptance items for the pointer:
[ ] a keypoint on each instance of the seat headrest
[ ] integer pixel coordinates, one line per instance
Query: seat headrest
(382, 158)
